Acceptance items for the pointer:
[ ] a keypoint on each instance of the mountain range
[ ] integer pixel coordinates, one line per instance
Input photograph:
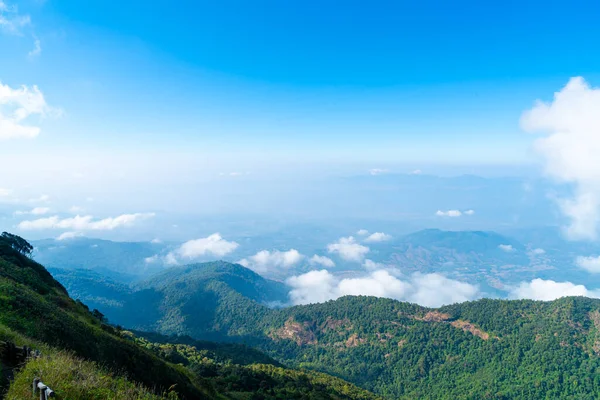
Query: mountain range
(483, 349)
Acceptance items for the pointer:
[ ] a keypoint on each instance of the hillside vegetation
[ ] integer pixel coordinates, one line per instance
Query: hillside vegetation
(484, 349)
(83, 357)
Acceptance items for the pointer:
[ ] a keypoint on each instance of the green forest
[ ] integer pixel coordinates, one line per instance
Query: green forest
(497, 349)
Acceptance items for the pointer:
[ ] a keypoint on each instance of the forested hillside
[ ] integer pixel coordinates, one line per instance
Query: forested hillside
(482, 349)
(83, 357)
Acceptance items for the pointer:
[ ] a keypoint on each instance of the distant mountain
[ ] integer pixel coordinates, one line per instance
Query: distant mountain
(209, 300)
(236, 277)
(486, 258)
(431, 249)
(92, 288)
(122, 261)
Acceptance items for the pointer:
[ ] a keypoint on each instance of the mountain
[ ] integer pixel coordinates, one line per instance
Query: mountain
(92, 288)
(215, 298)
(488, 259)
(83, 357)
(122, 261)
(483, 349)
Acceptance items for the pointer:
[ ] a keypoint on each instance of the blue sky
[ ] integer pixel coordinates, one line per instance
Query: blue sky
(159, 96)
(387, 81)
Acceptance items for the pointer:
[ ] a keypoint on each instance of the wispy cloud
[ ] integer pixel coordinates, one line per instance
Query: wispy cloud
(11, 21)
(454, 213)
(69, 235)
(34, 211)
(378, 237)
(37, 49)
(17, 108)
(83, 223)
(449, 213)
(378, 171)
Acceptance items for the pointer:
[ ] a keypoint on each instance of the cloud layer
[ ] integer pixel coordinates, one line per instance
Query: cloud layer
(430, 290)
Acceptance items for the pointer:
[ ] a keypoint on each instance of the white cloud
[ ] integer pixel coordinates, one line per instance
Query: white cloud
(590, 264)
(170, 259)
(152, 260)
(570, 148)
(378, 237)
(312, 287)
(5, 192)
(17, 107)
(433, 290)
(429, 290)
(348, 249)
(540, 289)
(266, 261)
(371, 265)
(69, 235)
(538, 252)
(469, 212)
(76, 210)
(416, 172)
(322, 261)
(378, 171)
(34, 211)
(362, 232)
(507, 248)
(11, 22)
(213, 245)
(85, 223)
(449, 213)
(156, 241)
(37, 49)
(379, 283)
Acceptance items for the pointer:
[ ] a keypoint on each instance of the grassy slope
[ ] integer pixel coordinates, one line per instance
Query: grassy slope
(34, 305)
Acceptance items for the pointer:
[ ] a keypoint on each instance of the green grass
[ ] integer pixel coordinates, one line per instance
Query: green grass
(73, 378)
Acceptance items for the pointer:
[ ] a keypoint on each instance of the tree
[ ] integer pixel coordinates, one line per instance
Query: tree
(17, 243)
